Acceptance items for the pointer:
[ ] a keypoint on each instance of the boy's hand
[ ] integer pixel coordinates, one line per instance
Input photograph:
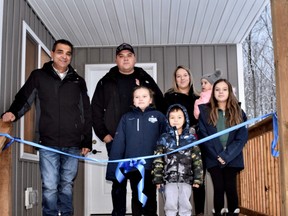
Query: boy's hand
(195, 185)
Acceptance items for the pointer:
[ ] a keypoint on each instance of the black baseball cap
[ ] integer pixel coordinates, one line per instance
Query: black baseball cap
(124, 46)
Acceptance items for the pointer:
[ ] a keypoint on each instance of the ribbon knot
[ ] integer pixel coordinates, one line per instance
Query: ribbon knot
(127, 166)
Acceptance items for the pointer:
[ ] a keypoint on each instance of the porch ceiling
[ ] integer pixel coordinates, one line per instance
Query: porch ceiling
(96, 23)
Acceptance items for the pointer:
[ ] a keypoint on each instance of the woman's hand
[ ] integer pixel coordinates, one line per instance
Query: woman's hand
(221, 160)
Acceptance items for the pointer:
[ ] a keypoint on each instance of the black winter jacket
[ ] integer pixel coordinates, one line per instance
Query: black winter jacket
(105, 112)
(232, 154)
(63, 112)
(172, 97)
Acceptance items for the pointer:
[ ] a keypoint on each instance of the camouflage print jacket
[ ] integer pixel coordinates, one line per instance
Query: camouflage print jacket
(184, 166)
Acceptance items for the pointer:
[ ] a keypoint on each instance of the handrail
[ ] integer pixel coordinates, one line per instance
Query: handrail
(5, 127)
(259, 190)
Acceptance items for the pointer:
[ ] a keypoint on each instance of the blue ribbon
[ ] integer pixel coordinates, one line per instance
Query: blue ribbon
(8, 144)
(274, 152)
(127, 166)
(131, 163)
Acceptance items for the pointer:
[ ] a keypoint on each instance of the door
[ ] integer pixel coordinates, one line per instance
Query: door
(97, 189)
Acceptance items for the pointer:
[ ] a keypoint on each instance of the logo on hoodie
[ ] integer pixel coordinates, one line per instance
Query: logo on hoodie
(152, 119)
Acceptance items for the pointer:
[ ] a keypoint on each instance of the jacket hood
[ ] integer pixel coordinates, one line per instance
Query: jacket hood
(187, 121)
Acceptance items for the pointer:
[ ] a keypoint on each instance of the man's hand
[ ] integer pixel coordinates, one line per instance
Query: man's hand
(85, 151)
(8, 117)
(195, 185)
(107, 139)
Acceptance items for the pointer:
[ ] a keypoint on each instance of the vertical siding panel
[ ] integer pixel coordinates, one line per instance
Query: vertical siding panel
(108, 55)
(80, 59)
(232, 65)
(183, 56)
(158, 57)
(144, 54)
(208, 60)
(170, 63)
(95, 55)
(196, 65)
(221, 59)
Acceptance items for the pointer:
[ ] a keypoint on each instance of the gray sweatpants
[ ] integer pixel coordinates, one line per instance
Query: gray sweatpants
(178, 199)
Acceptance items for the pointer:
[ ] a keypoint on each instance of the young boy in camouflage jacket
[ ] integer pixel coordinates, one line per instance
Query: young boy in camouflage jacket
(178, 170)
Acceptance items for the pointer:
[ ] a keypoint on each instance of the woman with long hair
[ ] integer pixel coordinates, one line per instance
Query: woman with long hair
(183, 91)
(223, 154)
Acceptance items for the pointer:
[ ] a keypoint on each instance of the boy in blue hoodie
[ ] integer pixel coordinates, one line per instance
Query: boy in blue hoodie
(180, 170)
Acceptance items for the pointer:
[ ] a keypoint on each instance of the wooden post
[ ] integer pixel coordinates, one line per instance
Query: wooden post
(279, 10)
(5, 172)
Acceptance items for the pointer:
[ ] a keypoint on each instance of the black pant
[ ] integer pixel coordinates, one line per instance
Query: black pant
(149, 190)
(224, 181)
(119, 197)
(199, 197)
(199, 193)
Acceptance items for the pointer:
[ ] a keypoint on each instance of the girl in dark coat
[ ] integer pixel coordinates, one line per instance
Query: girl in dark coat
(223, 154)
(136, 136)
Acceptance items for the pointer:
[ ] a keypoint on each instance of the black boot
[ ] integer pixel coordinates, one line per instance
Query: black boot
(235, 213)
(222, 213)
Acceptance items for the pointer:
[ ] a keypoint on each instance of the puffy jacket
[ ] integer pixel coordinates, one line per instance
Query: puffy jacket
(63, 112)
(232, 154)
(184, 166)
(105, 102)
(136, 136)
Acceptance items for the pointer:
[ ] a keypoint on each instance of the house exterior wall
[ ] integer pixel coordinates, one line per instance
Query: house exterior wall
(200, 59)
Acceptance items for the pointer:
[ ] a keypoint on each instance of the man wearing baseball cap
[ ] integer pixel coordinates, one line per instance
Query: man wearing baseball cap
(112, 98)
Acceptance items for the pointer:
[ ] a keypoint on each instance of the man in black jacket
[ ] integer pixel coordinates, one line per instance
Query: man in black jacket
(112, 98)
(63, 115)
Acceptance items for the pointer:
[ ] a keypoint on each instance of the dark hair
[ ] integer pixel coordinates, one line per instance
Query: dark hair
(175, 108)
(151, 93)
(233, 111)
(62, 41)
